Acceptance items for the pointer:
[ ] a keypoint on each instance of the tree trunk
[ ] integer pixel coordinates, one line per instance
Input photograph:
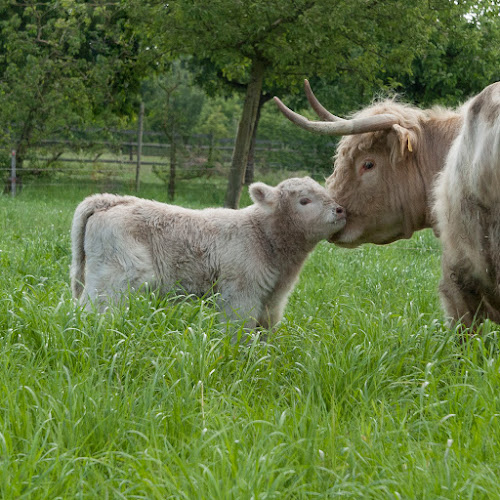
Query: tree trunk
(140, 133)
(173, 161)
(250, 170)
(244, 135)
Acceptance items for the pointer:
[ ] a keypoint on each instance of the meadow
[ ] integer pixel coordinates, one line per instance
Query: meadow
(361, 392)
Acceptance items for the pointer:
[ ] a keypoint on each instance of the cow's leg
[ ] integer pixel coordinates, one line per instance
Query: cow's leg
(240, 310)
(108, 284)
(461, 296)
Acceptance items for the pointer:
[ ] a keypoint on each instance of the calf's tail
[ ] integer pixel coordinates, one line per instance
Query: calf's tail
(83, 212)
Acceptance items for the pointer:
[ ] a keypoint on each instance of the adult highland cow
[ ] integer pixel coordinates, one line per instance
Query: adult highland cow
(399, 169)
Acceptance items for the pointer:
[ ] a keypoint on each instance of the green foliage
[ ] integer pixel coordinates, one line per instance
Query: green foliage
(378, 41)
(73, 64)
(173, 104)
(362, 392)
(461, 59)
(63, 65)
(218, 122)
(218, 117)
(264, 48)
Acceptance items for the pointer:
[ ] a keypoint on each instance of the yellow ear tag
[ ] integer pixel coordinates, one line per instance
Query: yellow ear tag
(410, 149)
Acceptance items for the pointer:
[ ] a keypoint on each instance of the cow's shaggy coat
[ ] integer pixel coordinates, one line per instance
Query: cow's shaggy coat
(251, 257)
(467, 212)
(416, 169)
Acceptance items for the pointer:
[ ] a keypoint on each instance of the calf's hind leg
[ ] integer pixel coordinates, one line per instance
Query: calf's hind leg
(104, 284)
(108, 282)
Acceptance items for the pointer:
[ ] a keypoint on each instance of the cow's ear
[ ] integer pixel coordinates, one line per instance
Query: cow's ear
(262, 194)
(406, 138)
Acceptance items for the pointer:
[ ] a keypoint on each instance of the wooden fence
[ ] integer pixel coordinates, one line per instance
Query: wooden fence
(124, 152)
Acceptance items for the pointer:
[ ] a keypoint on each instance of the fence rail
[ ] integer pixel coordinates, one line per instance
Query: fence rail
(94, 153)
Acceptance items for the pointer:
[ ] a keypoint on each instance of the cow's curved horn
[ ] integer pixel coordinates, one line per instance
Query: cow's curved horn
(338, 126)
(320, 110)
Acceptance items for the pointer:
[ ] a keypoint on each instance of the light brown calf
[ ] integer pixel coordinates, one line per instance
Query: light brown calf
(252, 257)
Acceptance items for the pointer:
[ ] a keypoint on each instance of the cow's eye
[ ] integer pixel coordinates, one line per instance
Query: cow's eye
(368, 165)
(305, 201)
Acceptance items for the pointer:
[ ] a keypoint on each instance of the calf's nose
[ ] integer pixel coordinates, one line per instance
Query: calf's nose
(340, 212)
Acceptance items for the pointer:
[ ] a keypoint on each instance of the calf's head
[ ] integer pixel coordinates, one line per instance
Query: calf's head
(300, 207)
(374, 178)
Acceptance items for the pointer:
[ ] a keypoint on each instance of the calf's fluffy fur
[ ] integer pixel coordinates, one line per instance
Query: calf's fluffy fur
(251, 257)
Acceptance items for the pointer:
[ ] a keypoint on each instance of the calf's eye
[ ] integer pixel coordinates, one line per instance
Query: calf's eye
(368, 165)
(305, 201)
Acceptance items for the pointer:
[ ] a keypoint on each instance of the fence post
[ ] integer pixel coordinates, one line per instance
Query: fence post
(13, 173)
(139, 145)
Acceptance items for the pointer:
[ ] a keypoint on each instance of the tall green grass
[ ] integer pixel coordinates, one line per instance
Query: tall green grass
(362, 392)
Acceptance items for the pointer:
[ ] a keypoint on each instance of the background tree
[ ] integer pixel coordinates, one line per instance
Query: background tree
(174, 106)
(71, 64)
(269, 47)
(217, 122)
(461, 59)
(64, 64)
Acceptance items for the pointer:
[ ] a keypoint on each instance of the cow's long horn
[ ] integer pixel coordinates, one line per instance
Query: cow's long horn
(341, 127)
(320, 110)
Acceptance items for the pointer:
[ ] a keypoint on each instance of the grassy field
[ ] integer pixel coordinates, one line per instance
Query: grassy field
(362, 392)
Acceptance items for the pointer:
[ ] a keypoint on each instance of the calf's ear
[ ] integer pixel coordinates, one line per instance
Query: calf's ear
(262, 194)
